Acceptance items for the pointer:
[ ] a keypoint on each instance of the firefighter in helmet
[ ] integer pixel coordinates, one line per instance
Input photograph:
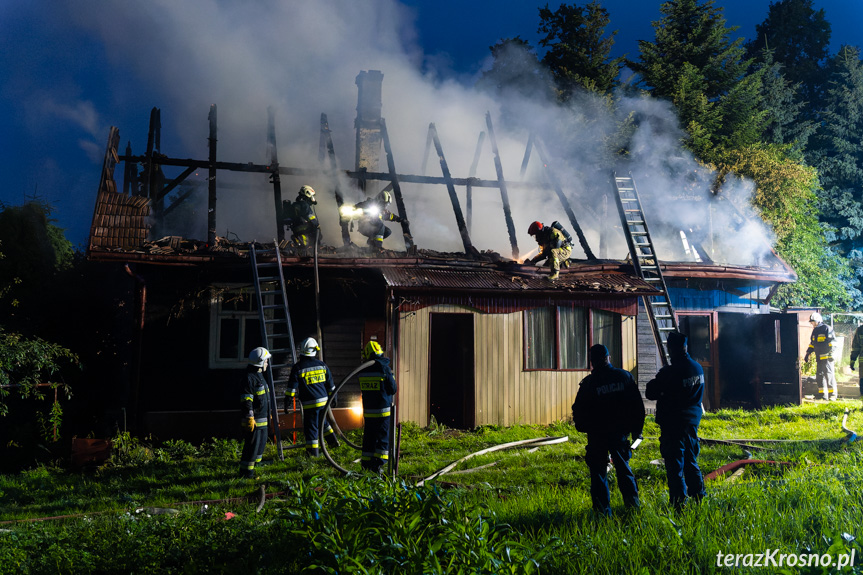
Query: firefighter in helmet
(378, 386)
(300, 217)
(554, 246)
(821, 344)
(255, 402)
(311, 379)
(372, 214)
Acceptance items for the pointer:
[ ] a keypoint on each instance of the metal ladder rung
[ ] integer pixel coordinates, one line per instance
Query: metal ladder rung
(268, 279)
(269, 292)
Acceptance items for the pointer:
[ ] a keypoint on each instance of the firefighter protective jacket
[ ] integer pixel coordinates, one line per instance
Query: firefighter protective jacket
(678, 390)
(383, 214)
(378, 387)
(312, 381)
(304, 214)
(255, 400)
(550, 238)
(608, 402)
(821, 342)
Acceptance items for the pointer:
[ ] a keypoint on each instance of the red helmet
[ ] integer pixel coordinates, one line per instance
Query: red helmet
(534, 228)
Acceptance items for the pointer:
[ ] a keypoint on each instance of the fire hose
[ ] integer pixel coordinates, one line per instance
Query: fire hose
(336, 428)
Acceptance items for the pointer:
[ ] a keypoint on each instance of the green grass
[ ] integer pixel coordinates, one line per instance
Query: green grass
(528, 513)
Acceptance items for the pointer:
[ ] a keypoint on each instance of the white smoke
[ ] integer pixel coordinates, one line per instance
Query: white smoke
(302, 58)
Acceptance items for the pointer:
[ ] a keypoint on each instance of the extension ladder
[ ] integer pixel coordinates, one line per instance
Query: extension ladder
(277, 334)
(645, 261)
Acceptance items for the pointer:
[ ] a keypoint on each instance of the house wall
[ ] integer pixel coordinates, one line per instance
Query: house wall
(505, 393)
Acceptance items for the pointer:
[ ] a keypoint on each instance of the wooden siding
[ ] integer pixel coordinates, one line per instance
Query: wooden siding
(505, 394)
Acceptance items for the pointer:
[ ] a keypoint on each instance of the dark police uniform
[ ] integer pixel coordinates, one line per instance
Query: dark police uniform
(608, 407)
(678, 390)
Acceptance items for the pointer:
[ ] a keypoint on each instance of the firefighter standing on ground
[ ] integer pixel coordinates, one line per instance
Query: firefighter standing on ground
(373, 214)
(553, 246)
(300, 217)
(821, 344)
(311, 379)
(255, 408)
(378, 387)
(608, 407)
(678, 390)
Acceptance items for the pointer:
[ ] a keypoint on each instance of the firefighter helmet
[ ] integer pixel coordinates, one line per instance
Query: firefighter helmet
(308, 192)
(385, 197)
(534, 228)
(259, 356)
(816, 317)
(309, 347)
(372, 349)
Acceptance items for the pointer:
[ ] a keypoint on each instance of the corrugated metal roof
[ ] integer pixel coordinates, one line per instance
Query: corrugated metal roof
(492, 280)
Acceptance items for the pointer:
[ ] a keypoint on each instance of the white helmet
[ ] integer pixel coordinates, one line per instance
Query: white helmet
(308, 192)
(259, 356)
(816, 317)
(309, 347)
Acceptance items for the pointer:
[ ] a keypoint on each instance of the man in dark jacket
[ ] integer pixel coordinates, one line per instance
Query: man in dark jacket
(372, 213)
(303, 221)
(553, 246)
(311, 379)
(255, 401)
(608, 407)
(678, 389)
(378, 387)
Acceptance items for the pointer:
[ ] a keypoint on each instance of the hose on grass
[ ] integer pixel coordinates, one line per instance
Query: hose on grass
(535, 442)
(321, 441)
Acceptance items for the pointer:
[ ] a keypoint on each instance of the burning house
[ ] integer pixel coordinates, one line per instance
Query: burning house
(475, 336)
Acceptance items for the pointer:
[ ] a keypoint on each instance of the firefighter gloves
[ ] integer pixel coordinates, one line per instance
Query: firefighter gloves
(250, 424)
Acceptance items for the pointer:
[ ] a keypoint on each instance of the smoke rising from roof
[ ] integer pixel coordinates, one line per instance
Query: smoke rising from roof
(302, 58)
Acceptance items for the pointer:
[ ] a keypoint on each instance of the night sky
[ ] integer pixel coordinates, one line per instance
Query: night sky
(72, 69)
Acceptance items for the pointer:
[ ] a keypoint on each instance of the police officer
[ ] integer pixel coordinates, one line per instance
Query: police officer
(255, 407)
(311, 379)
(678, 390)
(553, 246)
(378, 387)
(375, 213)
(608, 407)
(821, 344)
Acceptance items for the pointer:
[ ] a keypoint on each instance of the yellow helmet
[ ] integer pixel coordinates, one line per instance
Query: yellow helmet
(385, 197)
(372, 349)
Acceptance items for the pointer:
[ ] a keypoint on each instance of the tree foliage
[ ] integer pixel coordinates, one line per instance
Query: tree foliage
(578, 51)
(786, 199)
(516, 70)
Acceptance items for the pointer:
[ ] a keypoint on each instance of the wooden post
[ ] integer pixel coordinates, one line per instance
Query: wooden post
(326, 149)
(397, 189)
(504, 196)
(462, 228)
(471, 175)
(211, 202)
(274, 172)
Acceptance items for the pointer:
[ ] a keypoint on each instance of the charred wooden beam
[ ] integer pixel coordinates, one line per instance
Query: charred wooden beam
(150, 185)
(327, 150)
(174, 183)
(504, 196)
(274, 171)
(130, 173)
(552, 179)
(527, 148)
(471, 174)
(211, 199)
(462, 229)
(180, 199)
(397, 190)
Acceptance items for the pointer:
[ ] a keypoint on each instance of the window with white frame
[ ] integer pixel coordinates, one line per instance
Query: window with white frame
(235, 327)
(558, 338)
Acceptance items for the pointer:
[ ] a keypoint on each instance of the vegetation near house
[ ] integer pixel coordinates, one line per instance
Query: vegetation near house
(174, 506)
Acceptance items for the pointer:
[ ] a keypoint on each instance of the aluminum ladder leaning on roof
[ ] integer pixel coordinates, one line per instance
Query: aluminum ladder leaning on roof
(277, 334)
(645, 261)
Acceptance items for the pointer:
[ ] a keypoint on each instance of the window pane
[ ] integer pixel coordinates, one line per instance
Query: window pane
(606, 330)
(539, 338)
(252, 335)
(229, 338)
(573, 338)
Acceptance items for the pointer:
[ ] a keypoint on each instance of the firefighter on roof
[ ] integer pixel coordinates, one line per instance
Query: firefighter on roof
(372, 213)
(312, 381)
(378, 387)
(255, 407)
(821, 344)
(300, 217)
(555, 245)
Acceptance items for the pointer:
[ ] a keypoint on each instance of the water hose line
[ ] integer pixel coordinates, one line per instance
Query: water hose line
(321, 441)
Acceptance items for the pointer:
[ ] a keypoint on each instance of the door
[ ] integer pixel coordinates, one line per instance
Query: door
(451, 369)
(699, 331)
